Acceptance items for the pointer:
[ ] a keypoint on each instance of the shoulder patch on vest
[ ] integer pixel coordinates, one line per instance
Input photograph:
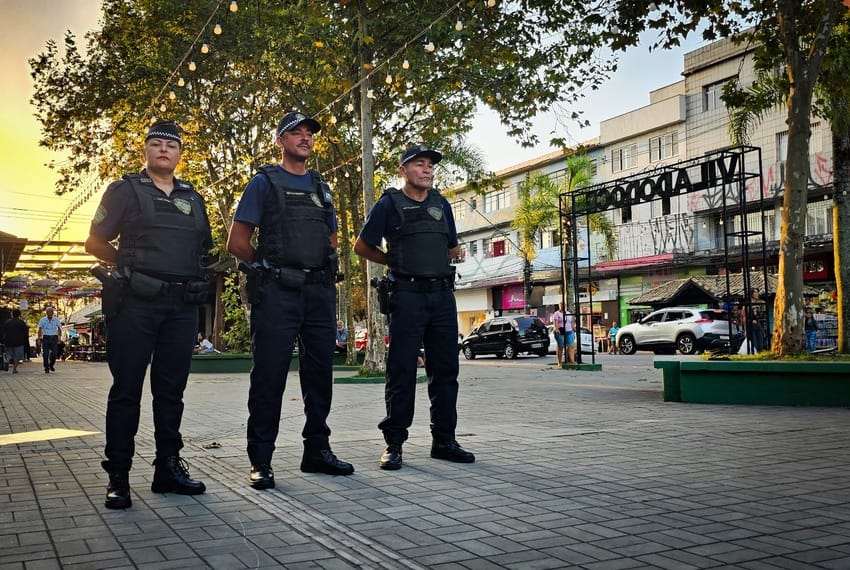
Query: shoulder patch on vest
(99, 215)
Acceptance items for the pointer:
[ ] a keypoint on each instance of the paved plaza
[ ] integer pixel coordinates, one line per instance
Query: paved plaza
(575, 469)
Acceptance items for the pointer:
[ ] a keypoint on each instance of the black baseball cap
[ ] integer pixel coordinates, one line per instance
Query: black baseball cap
(295, 118)
(419, 150)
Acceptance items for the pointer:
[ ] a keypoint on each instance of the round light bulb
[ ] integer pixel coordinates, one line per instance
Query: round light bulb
(234, 6)
(172, 95)
(430, 47)
(163, 108)
(333, 119)
(405, 64)
(181, 82)
(389, 79)
(370, 94)
(349, 108)
(217, 29)
(459, 25)
(192, 66)
(491, 3)
(205, 48)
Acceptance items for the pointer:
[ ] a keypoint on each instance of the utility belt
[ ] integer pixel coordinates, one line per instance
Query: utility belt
(294, 278)
(421, 284)
(193, 292)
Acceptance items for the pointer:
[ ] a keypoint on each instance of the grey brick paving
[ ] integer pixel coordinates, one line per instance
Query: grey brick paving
(584, 470)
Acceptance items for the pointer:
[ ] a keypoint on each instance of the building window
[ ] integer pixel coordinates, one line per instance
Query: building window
(495, 247)
(781, 146)
(459, 210)
(473, 248)
(665, 206)
(594, 167)
(461, 254)
(664, 146)
(816, 142)
(711, 96)
(497, 200)
(626, 214)
(623, 158)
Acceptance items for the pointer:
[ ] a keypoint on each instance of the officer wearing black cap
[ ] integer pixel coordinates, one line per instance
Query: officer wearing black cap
(291, 283)
(150, 300)
(419, 229)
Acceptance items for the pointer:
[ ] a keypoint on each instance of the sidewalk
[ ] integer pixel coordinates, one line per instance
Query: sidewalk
(587, 470)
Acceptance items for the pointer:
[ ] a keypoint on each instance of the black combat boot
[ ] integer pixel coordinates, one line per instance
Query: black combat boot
(172, 476)
(118, 491)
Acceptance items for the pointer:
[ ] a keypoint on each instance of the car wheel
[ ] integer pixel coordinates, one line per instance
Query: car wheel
(686, 343)
(468, 353)
(627, 345)
(510, 351)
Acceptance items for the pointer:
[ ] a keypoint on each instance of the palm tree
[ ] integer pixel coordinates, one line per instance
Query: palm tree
(538, 210)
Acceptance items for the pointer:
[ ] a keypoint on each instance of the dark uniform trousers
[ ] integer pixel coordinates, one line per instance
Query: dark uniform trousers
(159, 331)
(416, 318)
(307, 314)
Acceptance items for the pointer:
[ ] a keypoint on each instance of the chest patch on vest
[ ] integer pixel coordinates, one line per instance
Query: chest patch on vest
(183, 205)
(316, 200)
(436, 213)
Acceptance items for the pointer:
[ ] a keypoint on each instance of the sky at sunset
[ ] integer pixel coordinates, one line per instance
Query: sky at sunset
(30, 208)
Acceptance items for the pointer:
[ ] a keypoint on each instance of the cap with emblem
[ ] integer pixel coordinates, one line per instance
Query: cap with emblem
(293, 119)
(164, 130)
(418, 150)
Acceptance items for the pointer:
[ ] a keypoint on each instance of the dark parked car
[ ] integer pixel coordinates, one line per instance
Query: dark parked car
(508, 337)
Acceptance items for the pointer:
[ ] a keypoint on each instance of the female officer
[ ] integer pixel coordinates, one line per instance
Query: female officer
(150, 302)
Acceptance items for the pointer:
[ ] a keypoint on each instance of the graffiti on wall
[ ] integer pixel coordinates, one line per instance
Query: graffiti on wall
(772, 184)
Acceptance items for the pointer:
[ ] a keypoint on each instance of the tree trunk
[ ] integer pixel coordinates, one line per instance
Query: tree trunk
(374, 362)
(803, 68)
(789, 307)
(841, 230)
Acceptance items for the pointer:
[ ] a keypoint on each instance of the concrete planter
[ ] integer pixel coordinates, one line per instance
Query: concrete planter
(762, 382)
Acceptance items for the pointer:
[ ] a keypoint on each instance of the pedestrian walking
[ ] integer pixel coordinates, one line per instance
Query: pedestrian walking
(49, 329)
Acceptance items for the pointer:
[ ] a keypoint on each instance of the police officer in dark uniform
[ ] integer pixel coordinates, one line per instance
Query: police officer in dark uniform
(421, 237)
(291, 285)
(150, 301)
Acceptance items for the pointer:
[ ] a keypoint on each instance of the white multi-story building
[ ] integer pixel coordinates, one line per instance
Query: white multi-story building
(660, 240)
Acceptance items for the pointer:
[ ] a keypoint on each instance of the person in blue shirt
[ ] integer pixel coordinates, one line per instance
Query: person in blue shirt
(292, 289)
(49, 329)
(419, 228)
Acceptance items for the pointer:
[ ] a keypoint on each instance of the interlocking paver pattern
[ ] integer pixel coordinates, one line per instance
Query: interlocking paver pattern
(585, 470)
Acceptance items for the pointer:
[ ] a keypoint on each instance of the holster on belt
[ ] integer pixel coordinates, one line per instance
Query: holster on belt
(114, 288)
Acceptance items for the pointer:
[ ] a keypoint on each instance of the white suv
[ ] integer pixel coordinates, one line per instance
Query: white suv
(685, 329)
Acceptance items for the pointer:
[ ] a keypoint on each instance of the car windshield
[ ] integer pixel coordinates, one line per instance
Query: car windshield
(714, 315)
(524, 323)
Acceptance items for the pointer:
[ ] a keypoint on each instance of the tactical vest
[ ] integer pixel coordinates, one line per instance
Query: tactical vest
(296, 235)
(167, 238)
(419, 245)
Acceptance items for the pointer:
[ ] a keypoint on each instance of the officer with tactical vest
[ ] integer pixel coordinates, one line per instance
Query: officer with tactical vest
(150, 299)
(291, 279)
(419, 228)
